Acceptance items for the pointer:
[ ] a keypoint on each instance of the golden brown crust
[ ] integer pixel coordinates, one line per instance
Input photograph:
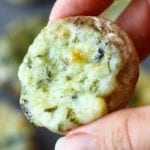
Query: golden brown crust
(129, 69)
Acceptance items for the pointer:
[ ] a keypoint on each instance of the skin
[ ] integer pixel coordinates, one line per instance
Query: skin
(123, 129)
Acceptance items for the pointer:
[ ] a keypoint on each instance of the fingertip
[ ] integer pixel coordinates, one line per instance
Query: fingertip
(54, 12)
(65, 8)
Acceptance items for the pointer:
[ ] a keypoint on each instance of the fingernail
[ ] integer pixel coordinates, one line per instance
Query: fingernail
(76, 142)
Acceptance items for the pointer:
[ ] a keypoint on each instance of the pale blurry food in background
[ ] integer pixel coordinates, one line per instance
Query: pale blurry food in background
(142, 92)
(115, 9)
(22, 2)
(19, 24)
(15, 132)
(13, 46)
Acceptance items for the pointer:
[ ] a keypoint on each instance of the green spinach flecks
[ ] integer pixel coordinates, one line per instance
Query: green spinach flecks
(51, 110)
(48, 74)
(66, 44)
(65, 61)
(60, 127)
(75, 40)
(68, 78)
(99, 40)
(82, 80)
(64, 64)
(42, 84)
(71, 116)
(24, 101)
(99, 55)
(74, 96)
(94, 86)
(39, 56)
(109, 67)
(29, 63)
(33, 124)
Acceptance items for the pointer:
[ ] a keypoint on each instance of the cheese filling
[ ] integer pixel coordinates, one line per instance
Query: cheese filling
(66, 75)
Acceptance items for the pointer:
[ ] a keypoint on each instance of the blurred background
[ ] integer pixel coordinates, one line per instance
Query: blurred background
(20, 22)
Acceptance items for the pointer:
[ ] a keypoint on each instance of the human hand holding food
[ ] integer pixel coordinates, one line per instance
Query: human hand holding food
(125, 129)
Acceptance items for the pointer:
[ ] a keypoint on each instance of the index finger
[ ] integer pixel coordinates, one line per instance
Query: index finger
(65, 8)
(135, 20)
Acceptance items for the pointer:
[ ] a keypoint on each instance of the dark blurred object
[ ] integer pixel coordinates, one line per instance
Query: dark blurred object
(13, 46)
(142, 92)
(15, 131)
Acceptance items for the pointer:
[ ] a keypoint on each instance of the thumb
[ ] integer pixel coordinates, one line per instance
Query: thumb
(122, 130)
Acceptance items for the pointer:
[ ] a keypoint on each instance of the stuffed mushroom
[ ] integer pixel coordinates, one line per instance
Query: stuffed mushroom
(77, 70)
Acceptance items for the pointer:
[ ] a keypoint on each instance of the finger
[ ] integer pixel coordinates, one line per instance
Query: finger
(64, 8)
(135, 20)
(127, 129)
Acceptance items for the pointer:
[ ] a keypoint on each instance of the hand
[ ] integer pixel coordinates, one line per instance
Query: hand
(126, 129)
